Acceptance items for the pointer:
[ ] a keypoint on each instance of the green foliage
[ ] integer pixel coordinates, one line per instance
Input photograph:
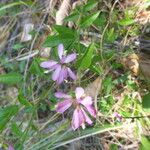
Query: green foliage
(146, 102)
(126, 22)
(62, 138)
(16, 129)
(11, 5)
(90, 5)
(18, 46)
(97, 36)
(73, 17)
(6, 114)
(111, 35)
(11, 78)
(100, 20)
(86, 59)
(24, 101)
(64, 35)
(88, 20)
(145, 143)
(35, 68)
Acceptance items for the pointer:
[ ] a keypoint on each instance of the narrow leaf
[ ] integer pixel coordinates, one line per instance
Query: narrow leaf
(146, 102)
(126, 22)
(10, 78)
(86, 60)
(12, 5)
(89, 6)
(64, 31)
(55, 40)
(145, 144)
(24, 101)
(87, 21)
(72, 17)
(6, 114)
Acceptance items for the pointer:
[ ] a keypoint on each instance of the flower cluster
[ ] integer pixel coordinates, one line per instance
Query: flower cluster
(80, 101)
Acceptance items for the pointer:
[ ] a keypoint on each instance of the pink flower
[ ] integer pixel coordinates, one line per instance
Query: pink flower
(117, 116)
(61, 71)
(81, 102)
(11, 147)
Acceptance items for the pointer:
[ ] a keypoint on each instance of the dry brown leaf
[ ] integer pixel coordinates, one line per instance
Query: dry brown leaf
(62, 12)
(4, 34)
(77, 3)
(143, 17)
(130, 3)
(52, 4)
(2, 71)
(27, 28)
(138, 64)
(93, 89)
(45, 52)
(12, 92)
(144, 63)
(132, 63)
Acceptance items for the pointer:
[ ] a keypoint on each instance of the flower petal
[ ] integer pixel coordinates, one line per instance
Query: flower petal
(71, 74)
(91, 110)
(86, 101)
(48, 64)
(70, 58)
(63, 75)
(75, 120)
(11, 147)
(87, 118)
(60, 50)
(63, 106)
(78, 118)
(79, 92)
(117, 116)
(62, 95)
(81, 117)
(56, 73)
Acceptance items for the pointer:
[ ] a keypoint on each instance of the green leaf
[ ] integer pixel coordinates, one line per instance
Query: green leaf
(146, 102)
(86, 60)
(96, 69)
(35, 68)
(6, 114)
(72, 17)
(11, 5)
(145, 144)
(101, 20)
(24, 101)
(89, 6)
(75, 136)
(15, 129)
(65, 35)
(126, 22)
(111, 35)
(55, 40)
(64, 31)
(10, 78)
(61, 29)
(62, 138)
(17, 46)
(87, 21)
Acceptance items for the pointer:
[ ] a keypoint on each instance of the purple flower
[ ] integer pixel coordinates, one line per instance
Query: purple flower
(11, 147)
(117, 116)
(61, 71)
(81, 102)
